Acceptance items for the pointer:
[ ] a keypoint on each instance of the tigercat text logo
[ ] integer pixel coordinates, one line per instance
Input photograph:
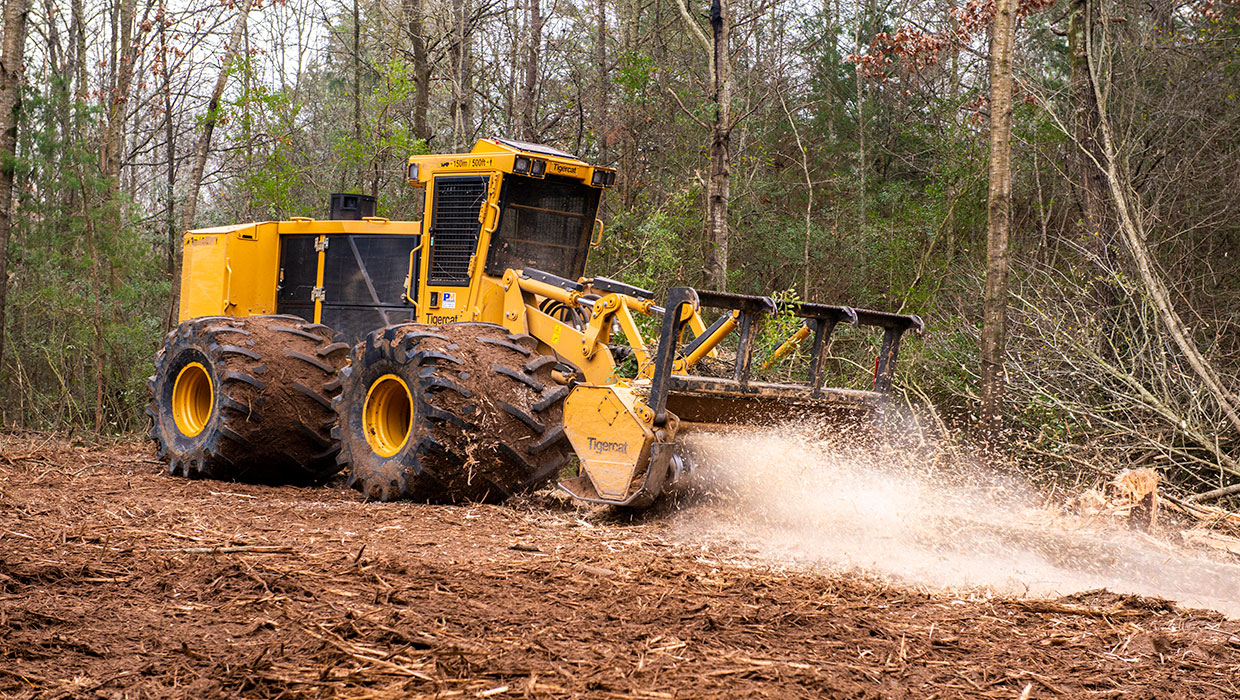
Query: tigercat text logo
(603, 447)
(570, 169)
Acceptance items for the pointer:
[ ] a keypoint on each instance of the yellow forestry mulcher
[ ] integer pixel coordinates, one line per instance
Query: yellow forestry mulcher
(466, 357)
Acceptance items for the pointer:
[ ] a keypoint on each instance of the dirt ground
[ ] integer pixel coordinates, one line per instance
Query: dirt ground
(117, 581)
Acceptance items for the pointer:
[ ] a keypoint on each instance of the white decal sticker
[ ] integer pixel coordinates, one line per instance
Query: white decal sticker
(449, 300)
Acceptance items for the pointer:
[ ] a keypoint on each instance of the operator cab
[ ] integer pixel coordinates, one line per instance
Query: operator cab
(504, 205)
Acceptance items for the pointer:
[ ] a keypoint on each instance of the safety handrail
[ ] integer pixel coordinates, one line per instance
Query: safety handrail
(409, 277)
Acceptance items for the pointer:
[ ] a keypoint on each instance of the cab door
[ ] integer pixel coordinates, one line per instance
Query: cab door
(458, 207)
(299, 273)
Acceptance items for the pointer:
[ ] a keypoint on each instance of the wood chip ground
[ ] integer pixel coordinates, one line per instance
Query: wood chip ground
(117, 581)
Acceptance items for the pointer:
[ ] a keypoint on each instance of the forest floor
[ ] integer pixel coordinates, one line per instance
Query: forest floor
(118, 581)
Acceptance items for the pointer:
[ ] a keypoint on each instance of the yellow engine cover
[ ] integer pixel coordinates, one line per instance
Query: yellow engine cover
(230, 271)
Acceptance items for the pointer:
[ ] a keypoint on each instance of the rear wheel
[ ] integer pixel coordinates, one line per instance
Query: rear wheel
(246, 399)
(456, 413)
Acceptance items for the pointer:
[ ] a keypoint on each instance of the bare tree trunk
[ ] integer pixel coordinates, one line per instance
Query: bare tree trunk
(529, 89)
(247, 116)
(718, 187)
(170, 152)
(97, 318)
(77, 41)
(994, 324)
(211, 117)
(357, 89)
(627, 17)
(61, 60)
(1093, 188)
(809, 195)
(118, 100)
(415, 16)
(512, 81)
(11, 54)
(462, 74)
(75, 74)
(720, 126)
(602, 113)
(55, 57)
(862, 167)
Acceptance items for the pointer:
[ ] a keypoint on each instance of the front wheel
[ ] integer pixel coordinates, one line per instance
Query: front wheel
(465, 412)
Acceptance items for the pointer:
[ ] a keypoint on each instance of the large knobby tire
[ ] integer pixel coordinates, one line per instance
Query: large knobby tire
(465, 412)
(247, 399)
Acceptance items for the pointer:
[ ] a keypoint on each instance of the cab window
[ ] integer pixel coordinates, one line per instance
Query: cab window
(544, 224)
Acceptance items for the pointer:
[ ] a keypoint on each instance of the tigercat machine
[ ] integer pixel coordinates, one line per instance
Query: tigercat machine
(466, 357)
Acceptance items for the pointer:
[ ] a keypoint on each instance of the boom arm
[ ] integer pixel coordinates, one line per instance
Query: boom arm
(624, 431)
(610, 304)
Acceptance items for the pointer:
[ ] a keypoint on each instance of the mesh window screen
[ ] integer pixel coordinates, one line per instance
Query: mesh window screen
(546, 225)
(361, 269)
(363, 281)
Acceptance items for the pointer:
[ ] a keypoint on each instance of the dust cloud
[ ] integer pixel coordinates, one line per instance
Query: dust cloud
(918, 517)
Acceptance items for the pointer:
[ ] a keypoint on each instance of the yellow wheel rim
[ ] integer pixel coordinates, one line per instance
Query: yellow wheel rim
(192, 399)
(387, 417)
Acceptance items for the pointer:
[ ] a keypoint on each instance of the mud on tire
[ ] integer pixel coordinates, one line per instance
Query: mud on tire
(246, 399)
(465, 412)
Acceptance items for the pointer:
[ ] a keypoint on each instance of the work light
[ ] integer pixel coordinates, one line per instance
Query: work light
(599, 178)
(539, 168)
(521, 165)
(413, 171)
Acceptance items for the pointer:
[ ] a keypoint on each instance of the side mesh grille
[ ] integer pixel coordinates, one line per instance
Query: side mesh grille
(455, 227)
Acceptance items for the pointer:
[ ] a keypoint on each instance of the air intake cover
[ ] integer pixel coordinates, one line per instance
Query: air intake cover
(455, 227)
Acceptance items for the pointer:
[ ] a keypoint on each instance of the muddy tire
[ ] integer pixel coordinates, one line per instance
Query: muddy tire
(465, 412)
(247, 399)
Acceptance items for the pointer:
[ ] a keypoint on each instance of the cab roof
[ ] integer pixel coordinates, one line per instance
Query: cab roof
(509, 156)
(528, 147)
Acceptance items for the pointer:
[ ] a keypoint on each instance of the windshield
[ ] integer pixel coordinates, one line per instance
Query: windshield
(545, 225)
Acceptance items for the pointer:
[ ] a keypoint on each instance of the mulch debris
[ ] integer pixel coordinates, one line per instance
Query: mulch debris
(117, 581)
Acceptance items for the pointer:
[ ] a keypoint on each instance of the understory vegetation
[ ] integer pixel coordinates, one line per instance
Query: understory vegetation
(857, 172)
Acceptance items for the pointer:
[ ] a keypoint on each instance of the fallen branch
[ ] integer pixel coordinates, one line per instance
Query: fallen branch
(344, 647)
(1046, 606)
(1211, 516)
(1215, 494)
(30, 678)
(253, 549)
